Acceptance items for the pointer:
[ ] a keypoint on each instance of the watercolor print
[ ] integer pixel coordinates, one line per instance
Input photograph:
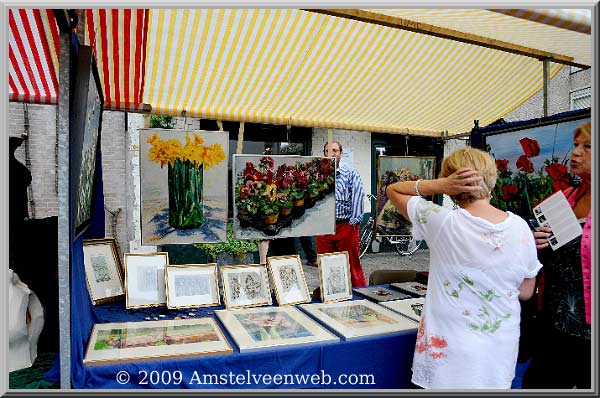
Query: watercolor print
(271, 325)
(283, 196)
(183, 197)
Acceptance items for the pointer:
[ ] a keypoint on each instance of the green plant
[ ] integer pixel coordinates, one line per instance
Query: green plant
(237, 248)
(162, 122)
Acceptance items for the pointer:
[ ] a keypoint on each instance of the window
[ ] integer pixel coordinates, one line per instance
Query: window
(581, 99)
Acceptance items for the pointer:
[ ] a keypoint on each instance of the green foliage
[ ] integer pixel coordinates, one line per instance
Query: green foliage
(237, 248)
(162, 122)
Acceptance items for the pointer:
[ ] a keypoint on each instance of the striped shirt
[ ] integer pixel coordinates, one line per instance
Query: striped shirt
(349, 194)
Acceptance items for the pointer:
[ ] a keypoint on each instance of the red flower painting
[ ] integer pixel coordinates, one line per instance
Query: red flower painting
(524, 164)
(531, 148)
(502, 165)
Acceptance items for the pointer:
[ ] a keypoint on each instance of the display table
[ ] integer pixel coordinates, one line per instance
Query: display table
(380, 362)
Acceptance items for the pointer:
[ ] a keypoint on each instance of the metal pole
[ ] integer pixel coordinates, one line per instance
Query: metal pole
(64, 233)
(546, 68)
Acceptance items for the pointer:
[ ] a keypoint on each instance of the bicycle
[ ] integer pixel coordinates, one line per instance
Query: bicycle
(404, 245)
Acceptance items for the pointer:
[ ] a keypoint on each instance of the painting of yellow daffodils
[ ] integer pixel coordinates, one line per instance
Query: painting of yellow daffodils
(183, 194)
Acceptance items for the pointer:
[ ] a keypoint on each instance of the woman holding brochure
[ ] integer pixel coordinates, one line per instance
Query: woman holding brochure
(562, 357)
(483, 260)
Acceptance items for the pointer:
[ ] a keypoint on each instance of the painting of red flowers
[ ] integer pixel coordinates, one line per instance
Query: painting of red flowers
(531, 163)
(283, 196)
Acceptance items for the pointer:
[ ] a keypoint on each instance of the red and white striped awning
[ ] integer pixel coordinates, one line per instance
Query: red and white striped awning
(33, 56)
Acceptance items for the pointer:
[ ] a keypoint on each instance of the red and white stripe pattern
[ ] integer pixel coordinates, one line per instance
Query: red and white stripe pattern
(119, 38)
(33, 56)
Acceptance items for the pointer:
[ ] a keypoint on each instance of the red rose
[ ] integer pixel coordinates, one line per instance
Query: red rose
(508, 191)
(561, 183)
(556, 171)
(524, 164)
(530, 147)
(502, 165)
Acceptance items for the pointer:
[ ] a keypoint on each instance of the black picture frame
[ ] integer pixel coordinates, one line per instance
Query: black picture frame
(87, 104)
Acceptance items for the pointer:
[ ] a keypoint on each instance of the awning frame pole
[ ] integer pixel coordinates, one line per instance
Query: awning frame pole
(546, 72)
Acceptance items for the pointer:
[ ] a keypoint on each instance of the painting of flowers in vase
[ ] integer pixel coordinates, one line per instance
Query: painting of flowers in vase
(532, 164)
(391, 169)
(283, 196)
(183, 197)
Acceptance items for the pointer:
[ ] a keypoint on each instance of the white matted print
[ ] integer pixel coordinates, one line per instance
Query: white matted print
(288, 279)
(245, 285)
(103, 270)
(411, 308)
(183, 197)
(334, 275)
(257, 328)
(359, 318)
(192, 285)
(145, 279)
(136, 341)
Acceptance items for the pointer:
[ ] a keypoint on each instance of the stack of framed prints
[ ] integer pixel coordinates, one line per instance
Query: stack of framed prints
(245, 285)
(411, 308)
(145, 279)
(192, 285)
(379, 294)
(414, 288)
(334, 276)
(288, 279)
(359, 318)
(103, 270)
(131, 341)
(256, 328)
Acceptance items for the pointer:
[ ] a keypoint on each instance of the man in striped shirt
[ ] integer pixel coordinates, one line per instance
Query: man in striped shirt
(349, 209)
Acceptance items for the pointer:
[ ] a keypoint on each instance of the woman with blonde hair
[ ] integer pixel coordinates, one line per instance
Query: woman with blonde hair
(562, 358)
(482, 261)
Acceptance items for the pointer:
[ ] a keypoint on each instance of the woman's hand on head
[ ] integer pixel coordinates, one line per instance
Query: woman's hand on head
(461, 181)
(541, 237)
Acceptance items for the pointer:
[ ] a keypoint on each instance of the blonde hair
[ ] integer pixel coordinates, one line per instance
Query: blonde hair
(477, 160)
(584, 129)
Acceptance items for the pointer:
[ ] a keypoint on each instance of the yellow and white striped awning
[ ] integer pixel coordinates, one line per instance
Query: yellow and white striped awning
(305, 68)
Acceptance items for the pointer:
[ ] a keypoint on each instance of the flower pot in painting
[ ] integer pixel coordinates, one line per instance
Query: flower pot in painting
(299, 202)
(285, 211)
(270, 219)
(185, 194)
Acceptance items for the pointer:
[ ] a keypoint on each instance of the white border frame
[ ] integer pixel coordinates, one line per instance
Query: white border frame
(403, 307)
(159, 261)
(114, 288)
(208, 271)
(326, 262)
(227, 271)
(297, 295)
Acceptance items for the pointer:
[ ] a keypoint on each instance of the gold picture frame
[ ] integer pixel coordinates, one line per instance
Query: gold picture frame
(112, 343)
(145, 279)
(288, 280)
(103, 270)
(334, 276)
(192, 285)
(245, 286)
(359, 318)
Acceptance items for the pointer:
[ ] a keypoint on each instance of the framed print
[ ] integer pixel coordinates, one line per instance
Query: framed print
(334, 276)
(391, 169)
(413, 288)
(378, 294)
(136, 341)
(359, 318)
(103, 270)
(283, 196)
(256, 328)
(145, 279)
(245, 285)
(192, 285)
(183, 197)
(411, 308)
(85, 127)
(288, 279)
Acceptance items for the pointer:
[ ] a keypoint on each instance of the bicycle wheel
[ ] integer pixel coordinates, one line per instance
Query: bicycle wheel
(405, 246)
(365, 241)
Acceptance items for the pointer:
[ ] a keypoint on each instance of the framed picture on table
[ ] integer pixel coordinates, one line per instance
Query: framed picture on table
(334, 276)
(145, 279)
(103, 270)
(288, 279)
(149, 340)
(259, 328)
(245, 285)
(359, 318)
(411, 308)
(192, 285)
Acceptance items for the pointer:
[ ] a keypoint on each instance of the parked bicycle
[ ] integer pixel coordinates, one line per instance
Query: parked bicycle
(404, 245)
